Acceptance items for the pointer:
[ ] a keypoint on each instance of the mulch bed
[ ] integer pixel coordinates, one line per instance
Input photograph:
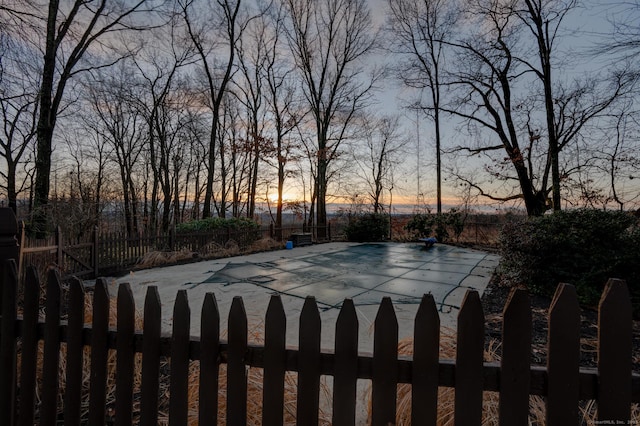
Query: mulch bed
(494, 299)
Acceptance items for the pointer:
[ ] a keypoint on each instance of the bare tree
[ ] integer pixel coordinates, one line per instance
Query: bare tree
(18, 114)
(381, 153)
(71, 32)
(329, 40)
(616, 157)
(624, 42)
(117, 119)
(249, 89)
(420, 29)
(214, 29)
(499, 91)
(88, 178)
(283, 104)
(19, 103)
(483, 76)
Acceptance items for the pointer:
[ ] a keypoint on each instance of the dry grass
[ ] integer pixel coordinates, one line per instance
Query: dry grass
(254, 382)
(159, 258)
(446, 396)
(212, 250)
(232, 248)
(490, 409)
(254, 391)
(86, 375)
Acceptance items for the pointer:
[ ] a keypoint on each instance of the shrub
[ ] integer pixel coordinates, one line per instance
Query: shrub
(218, 223)
(582, 247)
(367, 227)
(423, 225)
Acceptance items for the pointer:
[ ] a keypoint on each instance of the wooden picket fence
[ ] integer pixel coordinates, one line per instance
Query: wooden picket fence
(561, 381)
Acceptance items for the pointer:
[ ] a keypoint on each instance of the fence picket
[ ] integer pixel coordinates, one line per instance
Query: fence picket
(150, 358)
(99, 353)
(275, 358)
(385, 366)
(30, 314)
(515, 376)
(309, 364)
(179, 378)
(424, 380)
(469, 360)
(345, 369)
(236, 371)
(209, 361)
(48, 406)
(125, 352)
(8, 341)
(614, 353)
(75, 353)
(563, 358)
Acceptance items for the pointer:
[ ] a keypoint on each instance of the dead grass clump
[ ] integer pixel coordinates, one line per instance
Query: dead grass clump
(590, 413)
(255, 378)
(446, 396)
(490, 409)
(265, 244)
(159, 258)
(216, 250)
(86, 375)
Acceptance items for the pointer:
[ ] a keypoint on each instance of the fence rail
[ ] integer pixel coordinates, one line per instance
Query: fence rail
(561, 381)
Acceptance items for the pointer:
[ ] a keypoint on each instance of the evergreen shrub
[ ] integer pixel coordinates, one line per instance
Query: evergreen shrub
(218, 223)
(424, 225)
(582, 247)
(367, 227)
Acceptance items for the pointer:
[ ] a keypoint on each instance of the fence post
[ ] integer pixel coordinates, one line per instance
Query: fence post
(9, 248)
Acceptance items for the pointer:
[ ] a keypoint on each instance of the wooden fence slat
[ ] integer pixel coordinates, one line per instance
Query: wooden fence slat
(30, 315)
(209, 361)
(236, 371)
(426, 350)
(8, 343)
(75, 354)
(615, 335)
(275, 359)
(99, 353)
(179, 378)
(309, 364)
(385, 367)
(515, 376)
(563, 358)
(48, 406)
(150, 358)
(125, 352)
(469, 361)
(345, 365)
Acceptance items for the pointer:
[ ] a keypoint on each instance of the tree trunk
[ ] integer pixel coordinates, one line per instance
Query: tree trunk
(46, 124)
(12, 196)
(321, 196)
(208, 193)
